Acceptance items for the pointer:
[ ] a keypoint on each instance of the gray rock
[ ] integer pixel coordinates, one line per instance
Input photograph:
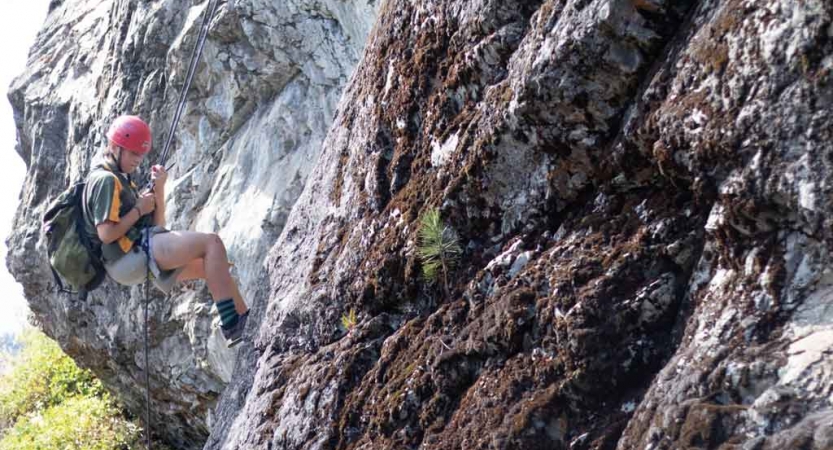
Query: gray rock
(668, 162)
(265, 93)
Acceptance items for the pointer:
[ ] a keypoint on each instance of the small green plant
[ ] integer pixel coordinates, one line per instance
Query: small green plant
(348, 321)
(438, 247)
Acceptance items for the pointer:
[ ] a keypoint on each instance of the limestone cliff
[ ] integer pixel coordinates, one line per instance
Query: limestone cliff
(640, 188)
(265, 94)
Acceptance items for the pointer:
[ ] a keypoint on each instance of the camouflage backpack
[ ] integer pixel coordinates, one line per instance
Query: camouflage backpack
(71, 255)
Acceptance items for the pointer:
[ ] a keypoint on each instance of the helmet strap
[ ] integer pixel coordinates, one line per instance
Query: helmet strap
(118, 159)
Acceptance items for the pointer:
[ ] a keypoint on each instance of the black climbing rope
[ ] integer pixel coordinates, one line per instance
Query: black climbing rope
(192, 69)
(189, 78)
(146, 245)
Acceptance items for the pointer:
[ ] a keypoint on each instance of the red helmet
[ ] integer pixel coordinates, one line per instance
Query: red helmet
(130, 132)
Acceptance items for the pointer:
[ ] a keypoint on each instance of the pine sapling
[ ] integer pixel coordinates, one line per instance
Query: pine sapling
(438, 248)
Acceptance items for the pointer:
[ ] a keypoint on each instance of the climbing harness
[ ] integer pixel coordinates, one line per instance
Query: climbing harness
(192, 68)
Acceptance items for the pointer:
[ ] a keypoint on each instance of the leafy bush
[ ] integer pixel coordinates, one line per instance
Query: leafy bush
(47, 402)
(76, 423)
(438, 247)
(41, 376)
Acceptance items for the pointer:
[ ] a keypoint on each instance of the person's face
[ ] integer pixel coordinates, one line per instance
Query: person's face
(130, 161)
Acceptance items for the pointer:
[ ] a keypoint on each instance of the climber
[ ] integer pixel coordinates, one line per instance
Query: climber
(120, 220)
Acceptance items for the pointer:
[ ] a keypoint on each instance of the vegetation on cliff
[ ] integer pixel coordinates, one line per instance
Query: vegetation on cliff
(48, 402)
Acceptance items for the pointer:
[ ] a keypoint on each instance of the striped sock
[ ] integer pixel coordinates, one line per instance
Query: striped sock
(228, 315)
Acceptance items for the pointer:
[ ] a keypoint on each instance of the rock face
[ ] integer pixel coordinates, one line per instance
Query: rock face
(265, 94)
(640, 188)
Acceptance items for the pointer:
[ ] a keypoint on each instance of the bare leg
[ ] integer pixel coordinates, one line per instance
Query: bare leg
(181, 248)
(194, 270)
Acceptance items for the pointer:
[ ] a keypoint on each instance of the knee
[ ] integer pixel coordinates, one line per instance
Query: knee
(213, 241)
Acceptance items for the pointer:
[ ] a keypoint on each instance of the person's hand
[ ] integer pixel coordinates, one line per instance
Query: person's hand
(146, 203)
(159, 176)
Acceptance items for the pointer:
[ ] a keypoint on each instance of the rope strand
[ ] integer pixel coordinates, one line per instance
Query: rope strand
(146, 245)
(192, 68)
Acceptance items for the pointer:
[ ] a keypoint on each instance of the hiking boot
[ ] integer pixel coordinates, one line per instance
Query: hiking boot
(234, 335)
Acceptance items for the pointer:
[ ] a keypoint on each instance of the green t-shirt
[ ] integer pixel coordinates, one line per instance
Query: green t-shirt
(110, 194)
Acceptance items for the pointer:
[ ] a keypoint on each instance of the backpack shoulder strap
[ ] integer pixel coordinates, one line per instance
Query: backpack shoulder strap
(57, 278)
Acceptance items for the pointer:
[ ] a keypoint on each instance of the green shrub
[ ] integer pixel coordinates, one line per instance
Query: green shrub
(438, 247)
(41, 376)
(76, 423)
(47, 402)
